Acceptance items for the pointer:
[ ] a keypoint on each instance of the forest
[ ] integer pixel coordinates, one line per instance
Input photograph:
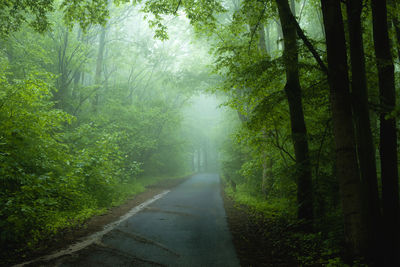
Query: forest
(291, 102)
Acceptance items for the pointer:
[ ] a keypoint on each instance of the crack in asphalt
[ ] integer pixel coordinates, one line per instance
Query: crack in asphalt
(129, 256)
(94, 238)
(144, 240)
(152, 209)
(162, 234)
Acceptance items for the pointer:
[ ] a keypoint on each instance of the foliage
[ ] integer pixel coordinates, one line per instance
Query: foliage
(280, 233)
(71, 147)
(258, 161)
(36, 13)
(92, 106)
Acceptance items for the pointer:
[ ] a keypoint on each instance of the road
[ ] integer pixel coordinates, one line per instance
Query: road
(186, 227)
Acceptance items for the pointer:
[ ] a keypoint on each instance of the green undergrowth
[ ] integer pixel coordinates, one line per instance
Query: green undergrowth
(281, 234)
(128, 190)
(151, 180)
(273, 208)
(43, 219)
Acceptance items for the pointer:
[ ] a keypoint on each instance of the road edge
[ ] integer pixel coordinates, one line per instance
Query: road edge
(93, 238)
(98, 223)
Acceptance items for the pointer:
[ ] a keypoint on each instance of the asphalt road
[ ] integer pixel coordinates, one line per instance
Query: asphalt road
(187, 227)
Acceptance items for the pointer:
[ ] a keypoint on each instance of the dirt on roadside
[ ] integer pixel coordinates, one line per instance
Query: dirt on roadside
(96, 223)
(257, 241)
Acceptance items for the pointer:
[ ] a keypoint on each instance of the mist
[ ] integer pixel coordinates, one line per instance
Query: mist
(199, 132)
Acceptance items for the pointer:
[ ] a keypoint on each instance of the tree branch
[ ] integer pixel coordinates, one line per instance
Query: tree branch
(281, 147)
(177, 7)
(255, 27)
(308, 44)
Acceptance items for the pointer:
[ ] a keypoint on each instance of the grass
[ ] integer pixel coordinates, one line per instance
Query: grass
(151, 180)
(57, 221)
(270, 208)
(276, 223)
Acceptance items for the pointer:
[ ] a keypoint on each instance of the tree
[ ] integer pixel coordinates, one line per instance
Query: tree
(364, 141)
(36, 13)
(394, 17)
(299, 132)
(388, 135)
(60, 163)
(99, 66)
(355, 224)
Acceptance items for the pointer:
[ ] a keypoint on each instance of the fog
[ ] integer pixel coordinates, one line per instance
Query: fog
(103, 100)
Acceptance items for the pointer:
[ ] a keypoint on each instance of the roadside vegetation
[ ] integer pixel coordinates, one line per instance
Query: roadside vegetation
(89, 117)
(314, 149)
(93, 102)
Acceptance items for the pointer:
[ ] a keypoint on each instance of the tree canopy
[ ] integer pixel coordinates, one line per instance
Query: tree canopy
(99, 97)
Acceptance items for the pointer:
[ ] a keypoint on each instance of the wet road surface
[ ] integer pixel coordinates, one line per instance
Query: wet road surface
(187, 227)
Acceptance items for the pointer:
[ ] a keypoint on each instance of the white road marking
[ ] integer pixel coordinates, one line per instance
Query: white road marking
(87, 241)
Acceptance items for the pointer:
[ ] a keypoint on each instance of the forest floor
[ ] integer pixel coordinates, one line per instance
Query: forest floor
(96, 223)
(247, 229)
(260, 241)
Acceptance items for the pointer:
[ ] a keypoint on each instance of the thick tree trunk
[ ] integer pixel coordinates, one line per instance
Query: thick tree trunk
(365, 145)
(299, 133)
(355, 225)
(388, 137)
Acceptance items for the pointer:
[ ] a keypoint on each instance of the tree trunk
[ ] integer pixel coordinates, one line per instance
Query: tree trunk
(193, 161)
(299, 133)
(62, 92)
(267, 39)
(364, 141)
(232, 183)
(280, 37)
(241, 117)
(293, 7)
(77, 78)
(77, 73)
(396, 24)
(205, 155)
(321, 22)
(388, 137)
(355, 225)
(266, 184)
(99, 66)
(262, 44)
(198, 160)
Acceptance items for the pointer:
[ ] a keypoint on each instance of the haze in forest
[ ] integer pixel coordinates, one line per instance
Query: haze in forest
(287, 108)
